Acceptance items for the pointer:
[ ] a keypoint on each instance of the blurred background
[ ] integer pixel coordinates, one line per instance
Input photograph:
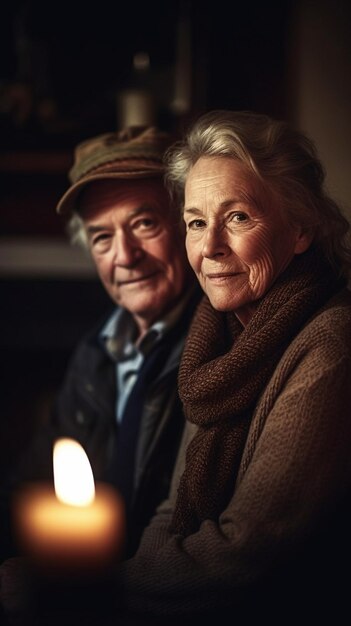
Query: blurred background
(69, 70)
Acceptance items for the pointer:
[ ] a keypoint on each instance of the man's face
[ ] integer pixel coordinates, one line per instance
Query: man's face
(136, 244)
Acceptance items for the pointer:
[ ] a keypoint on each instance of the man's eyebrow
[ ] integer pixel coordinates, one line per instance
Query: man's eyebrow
(96, 228)
(141, 208)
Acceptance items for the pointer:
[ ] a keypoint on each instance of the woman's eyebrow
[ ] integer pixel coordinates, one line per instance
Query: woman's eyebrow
(222, 206)
(192, 210)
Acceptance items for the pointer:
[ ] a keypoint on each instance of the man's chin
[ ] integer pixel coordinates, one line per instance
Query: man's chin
(141, 305)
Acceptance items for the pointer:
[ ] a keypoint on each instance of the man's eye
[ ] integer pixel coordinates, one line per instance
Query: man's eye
(145, 223)
(145, 227)
(99, 239)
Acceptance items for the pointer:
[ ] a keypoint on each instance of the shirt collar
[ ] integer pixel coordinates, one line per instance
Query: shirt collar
(118, 335)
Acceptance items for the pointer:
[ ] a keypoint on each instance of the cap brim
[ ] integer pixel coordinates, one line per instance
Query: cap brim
(68, 202)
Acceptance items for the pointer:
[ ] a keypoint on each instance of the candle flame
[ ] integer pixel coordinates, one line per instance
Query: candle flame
(73, 476)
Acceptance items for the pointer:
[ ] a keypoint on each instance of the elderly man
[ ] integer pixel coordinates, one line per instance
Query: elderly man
(119, 397)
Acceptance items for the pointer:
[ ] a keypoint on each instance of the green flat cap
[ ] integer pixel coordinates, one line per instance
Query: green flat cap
(136, 152)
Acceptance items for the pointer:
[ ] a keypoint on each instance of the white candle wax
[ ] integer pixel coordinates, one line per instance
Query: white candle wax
(63, 536)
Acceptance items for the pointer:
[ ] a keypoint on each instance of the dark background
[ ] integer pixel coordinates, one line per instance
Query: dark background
(63, 66)
(79, 55)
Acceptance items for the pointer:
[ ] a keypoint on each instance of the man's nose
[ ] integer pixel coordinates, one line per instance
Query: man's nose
(127, 249)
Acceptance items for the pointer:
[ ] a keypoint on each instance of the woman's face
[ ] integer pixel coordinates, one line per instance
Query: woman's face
(237, 240)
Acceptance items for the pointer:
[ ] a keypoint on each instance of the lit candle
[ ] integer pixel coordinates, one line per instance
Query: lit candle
(74, 524)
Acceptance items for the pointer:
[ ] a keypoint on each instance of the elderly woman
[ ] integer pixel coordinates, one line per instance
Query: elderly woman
(265, 378)
(256, 516)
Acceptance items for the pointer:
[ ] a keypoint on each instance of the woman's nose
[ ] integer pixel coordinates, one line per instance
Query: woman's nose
(215, 242)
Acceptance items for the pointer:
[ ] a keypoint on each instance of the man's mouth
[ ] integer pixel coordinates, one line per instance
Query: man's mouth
(137, 279)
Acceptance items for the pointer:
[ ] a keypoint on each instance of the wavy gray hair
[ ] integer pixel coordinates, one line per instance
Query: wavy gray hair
(286, 162)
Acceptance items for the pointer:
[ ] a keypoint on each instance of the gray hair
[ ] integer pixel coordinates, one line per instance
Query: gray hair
(284, 159)
(76, 232)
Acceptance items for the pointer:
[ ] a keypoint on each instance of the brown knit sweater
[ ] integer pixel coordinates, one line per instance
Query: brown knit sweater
(295, 468)
(225, 368)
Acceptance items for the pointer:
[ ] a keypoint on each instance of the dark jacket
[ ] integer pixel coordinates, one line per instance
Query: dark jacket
(85, 410)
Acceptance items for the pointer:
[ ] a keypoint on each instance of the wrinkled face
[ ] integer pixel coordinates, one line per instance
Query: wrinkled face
(136, 244)
(237, 241)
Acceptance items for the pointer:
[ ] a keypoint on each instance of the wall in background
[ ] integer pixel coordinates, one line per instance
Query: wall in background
(320, 90)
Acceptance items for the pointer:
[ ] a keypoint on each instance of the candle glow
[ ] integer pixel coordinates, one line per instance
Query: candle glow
(76, 526)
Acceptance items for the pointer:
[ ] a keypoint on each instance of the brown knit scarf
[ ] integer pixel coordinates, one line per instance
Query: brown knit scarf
(225, 368)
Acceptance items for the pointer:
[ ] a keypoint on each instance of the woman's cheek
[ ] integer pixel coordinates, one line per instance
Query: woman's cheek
(194, 255)
(255, 247)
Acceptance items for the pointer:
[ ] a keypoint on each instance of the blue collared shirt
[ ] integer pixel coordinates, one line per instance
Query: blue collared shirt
(119, 337)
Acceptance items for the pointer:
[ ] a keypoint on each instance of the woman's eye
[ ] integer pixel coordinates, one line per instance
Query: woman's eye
(238, 217)
(195, 224)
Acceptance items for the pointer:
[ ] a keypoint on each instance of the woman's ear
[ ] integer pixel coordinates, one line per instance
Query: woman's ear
(304, 239)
